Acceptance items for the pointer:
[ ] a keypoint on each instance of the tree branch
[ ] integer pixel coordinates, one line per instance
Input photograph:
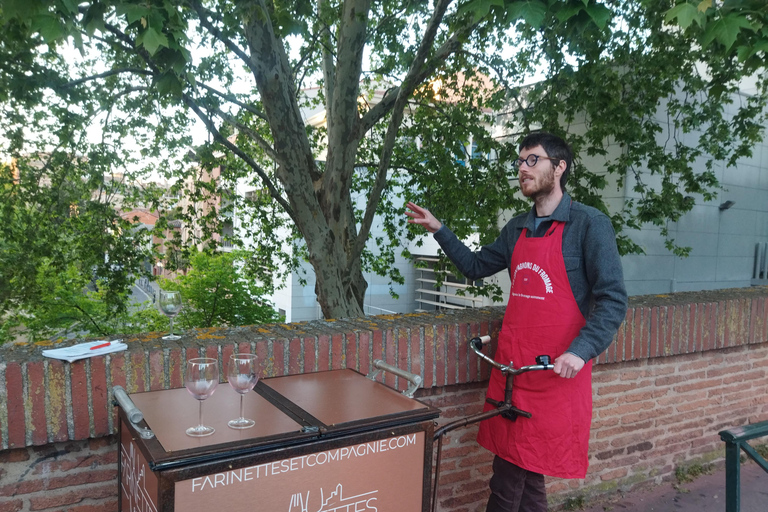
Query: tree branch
(203, 15)
(417, 73)
(263, 144)
(232, 99)
(104, 75)
(237, 151)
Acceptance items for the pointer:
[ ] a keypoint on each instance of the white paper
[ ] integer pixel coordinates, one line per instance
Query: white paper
(83, 350)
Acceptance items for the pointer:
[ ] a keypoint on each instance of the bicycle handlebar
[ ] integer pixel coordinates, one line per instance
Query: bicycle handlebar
(542, 362)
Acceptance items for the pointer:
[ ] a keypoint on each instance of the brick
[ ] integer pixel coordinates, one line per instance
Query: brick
(429, 356)
(691, 328)
(211, 351)
(279, 356)
(441, 346)
(463, 357)
(100, 396)
(640, 333)
(36, 400)
(57, 401)
(81, 413)
(452, 355)
(337, 352)
(403, 350)
(109, 505)
(414, 341)
(625, 348)
(15, 455)
(56, 500)
(363, 351)
(351, 358)
(156, 370)
(391, 356)
(295, 357)
(377, 346)
(15, 407)
(175, 369)
(310, 359)
(137, 378)
(266, 362)
(11, 506)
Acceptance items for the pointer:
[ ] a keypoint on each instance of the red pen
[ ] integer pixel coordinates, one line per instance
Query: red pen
(102, 345)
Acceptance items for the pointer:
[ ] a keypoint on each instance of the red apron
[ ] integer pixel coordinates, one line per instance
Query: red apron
(542, 317)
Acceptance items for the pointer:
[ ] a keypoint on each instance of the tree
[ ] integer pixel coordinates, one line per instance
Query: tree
(443, 67)
(729, 27)
(215, 293)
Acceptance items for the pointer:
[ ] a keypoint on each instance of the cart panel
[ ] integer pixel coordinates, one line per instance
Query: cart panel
(384, 474)
(169, 412)
(342, 396)
(138, 485)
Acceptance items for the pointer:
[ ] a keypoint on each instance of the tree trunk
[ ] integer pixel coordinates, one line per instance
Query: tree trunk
(320, 204)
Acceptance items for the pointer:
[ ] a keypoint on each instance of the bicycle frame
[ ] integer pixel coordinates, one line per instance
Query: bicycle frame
(503, 408)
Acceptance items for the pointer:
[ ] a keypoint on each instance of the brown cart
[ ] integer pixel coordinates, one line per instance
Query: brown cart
(323, 442)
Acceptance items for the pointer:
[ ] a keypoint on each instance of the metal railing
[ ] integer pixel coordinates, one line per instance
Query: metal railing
(736, 441)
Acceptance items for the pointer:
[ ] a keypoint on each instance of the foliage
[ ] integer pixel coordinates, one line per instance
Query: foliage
(215, 293)
(727, 27)
(423, 101)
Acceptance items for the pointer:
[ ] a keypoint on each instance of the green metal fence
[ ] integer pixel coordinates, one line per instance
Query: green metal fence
(736, 441)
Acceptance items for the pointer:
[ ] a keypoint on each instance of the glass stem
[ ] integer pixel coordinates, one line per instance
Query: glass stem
(200, 413)
(171, 319)
(241, 407)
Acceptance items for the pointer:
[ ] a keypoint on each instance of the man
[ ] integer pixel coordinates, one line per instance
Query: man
(567, 299)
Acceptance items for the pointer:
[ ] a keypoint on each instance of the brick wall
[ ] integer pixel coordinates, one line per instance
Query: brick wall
(682, 368)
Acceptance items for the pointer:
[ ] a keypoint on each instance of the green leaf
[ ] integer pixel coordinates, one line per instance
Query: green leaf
(532, 12)
(685, 15)
(70, 6)
(745, 52)
(132, 13)
(726, 30)
(49, 27)
(152, 40)
(568, 12)
(600, 14)
(169, 84)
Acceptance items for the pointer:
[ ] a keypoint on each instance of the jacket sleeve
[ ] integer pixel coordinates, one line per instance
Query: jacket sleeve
(474, 265)
(609, 295)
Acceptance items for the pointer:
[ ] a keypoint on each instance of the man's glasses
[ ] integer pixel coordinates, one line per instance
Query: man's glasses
(532, 160)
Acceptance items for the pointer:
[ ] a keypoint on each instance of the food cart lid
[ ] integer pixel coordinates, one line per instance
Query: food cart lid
(291, 409)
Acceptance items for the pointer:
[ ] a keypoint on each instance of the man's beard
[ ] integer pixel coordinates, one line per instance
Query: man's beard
(544, 188)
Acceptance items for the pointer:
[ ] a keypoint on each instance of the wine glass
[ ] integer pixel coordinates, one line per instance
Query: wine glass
(201, 379)
(170, 304)
(242, 374)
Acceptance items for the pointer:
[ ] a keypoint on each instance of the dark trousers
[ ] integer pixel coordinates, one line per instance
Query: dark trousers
(514, 489)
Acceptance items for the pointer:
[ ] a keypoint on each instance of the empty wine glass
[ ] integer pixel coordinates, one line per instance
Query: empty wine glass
(201, 379)
(170, 304)
(242, 374)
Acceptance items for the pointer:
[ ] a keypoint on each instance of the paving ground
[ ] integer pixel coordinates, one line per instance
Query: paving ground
(705, 494)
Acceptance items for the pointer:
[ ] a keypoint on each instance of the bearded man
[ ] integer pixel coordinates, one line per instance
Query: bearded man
(567, 300)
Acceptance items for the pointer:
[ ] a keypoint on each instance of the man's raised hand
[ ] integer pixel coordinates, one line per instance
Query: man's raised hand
(421, 216)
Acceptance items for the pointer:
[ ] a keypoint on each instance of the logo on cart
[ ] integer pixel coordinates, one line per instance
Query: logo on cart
(335, 502)
(526, 287)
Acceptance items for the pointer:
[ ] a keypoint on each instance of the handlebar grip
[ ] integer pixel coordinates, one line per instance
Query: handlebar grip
(479, 341)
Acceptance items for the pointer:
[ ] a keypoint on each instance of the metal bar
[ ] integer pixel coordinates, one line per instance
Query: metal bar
(732, 477)
(752, 453)
(764, 259)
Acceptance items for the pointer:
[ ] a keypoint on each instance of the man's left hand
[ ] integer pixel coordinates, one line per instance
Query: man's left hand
(568, 365)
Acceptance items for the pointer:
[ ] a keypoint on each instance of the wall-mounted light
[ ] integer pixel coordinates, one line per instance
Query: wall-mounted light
(726, 205)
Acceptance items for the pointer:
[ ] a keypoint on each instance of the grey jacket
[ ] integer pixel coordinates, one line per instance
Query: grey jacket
(591, 261)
